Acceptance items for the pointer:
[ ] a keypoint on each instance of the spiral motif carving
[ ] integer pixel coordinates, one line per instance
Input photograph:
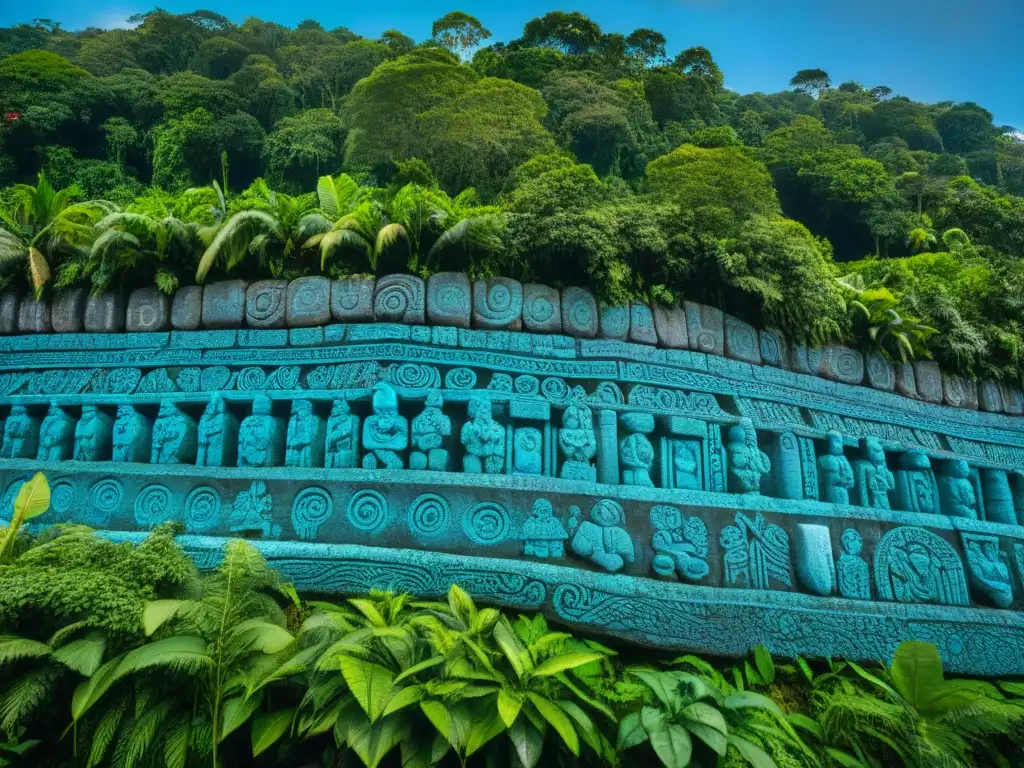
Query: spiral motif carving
(368, 511)
(555, 390)
(62, 499)
(7, 502)
(428, 515)
(308, 295)
(202, 510)
(104, 499)
(770, 348)
(251, 379)
(460, 378)
(214, 379)
(742, 340)
(527, 385)
(415, 376)
(487, 524)
(581, 314)
(539, 309)
(286, 377)
(52, 382)
(266, 301)
(188, 379)
(848, 363)
(398, 298)
(571, 601)
(452, 297)
(320, 377)
(154, 505)
(312, 508)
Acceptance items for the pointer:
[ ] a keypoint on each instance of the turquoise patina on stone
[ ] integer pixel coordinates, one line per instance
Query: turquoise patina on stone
(261, 436)
(815, 568)
(252, 511)
(429, 431)
(385, 434)
(174, 436)
(543, 534)
(578, 441)
(914, 565)
(304, 446)
(853, 573)
(21, 435)
(483, 439)
(747, 463)
(956, 494)
(682, 549)
(835, 475)
(756, 553)
(873, 479)
(989, 569)
(342, 448)
(601, 539)
(218, 435)
(56, 435)
(133, 434)
(636, 454)
(93, 435)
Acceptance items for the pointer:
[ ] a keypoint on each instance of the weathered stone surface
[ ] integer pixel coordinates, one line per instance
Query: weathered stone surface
(842, 364)
(309, 302)
(449, 301)
(224, 304)
(498, 304)
(149, 309)
(670, 324)
(741, 341)
(187, 308)
(9, 301)
(104, 313)
(641, 324)
(706, 326)
(774, 349)
(614, 322)
(906, 381)
(806, 359)
(542, 308)
(1013, 398)
(400, 299)
(929, 380)
(352, 299)
(34, 316)
(265, 304)
(579, 313)
(880, 372)
(959, 392)
(991, 399)
(67, 313)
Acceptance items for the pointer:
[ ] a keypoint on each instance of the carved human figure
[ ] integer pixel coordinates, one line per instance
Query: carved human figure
(990, 573)
(578, 440)
(747, 462)
(252, 511)
(636, 454)
(21, 435)
(429, 430)
(304, 445)
(756, 550)
(873, 479)
(132, 435)
(218, 435)
(483, 438)
(174, 436)
(601, 539)
(854, 579)
(686, 462)
(543, 534)
(835, 475)
(259, 437)
(915, 574)
(92, 435)
(56, 435)
(915, 490)
(681, 549)
(342, 450)
(956, 493)
(386, 433)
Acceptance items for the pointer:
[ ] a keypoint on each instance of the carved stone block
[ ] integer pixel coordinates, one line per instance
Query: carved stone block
(449, 300)
(991, 399)
(542, 308)
(1013, 399)
(104, 313)
(906, 381)
(806, 359)
(998, 497)
(815, 566)
(579, 313)
(399, 299)
(774, 349)
(224, 304)
(352, 300)
(880, 372)
(34, 316)
(670, 324)
(641, 324)
(741, 341)
(929, 380)
(265, 303)
(149, 309)
(9, 312)
(959, 392)
(706, 326)
(614, 322)
(309, 302)
(68, 312)
(498, 304)
(187, 308)
(842, 364)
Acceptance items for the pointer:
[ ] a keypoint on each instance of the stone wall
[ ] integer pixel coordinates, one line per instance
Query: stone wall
(670, 477)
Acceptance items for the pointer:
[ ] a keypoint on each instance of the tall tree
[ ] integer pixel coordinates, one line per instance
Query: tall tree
(811, 81)
(459, 32)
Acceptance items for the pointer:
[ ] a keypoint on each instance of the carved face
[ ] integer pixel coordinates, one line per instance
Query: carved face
(959, 469)
(835, 443)
(385, 399)
(340, 408)
(873, 450)
(852, 542)
(483, 409)
(261, 406)
(542, 508)
(607, 513)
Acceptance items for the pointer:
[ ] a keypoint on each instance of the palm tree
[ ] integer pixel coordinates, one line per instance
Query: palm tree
(269, 225)
(920, 239)
(46, 226)
(956, 240)
(877, 316)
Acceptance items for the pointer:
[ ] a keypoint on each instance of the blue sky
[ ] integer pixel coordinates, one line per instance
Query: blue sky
(930, 50)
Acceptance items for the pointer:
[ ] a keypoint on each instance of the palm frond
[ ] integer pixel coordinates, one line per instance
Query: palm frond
(233, 239)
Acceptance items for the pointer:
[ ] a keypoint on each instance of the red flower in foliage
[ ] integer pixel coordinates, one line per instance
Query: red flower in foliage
(10, 117)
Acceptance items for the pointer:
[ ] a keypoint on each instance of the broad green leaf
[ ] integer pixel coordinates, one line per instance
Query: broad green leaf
(765, 665)
(485, 724)
(417, 668)
(461, 605)
(750, 699)
(13, 648)
(89, 692)
(808, 724)
(584, 724)
(631, 731)
(179, 653)
(715, 739)
(371, 741)
(84, 655)
(268, 727)
(564, 662)
(706, 715)
(528, 742)
(237, 710)
(558, 719)
(369, 683)
(509, 704)
(916, 671)
(752, 753)
(262, 636)
(157, 612)
(662, 684)
(33, 498)
(673, 746)
(40, 271)
(844, 758)
(752, 675)
(409, 695)
(510, 646)
(369, 610)
(446, 723)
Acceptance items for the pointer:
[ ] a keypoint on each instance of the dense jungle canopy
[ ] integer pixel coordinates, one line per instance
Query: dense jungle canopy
(189, 146)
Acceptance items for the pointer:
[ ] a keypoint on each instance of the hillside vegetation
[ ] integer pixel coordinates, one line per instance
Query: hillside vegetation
(189, 147)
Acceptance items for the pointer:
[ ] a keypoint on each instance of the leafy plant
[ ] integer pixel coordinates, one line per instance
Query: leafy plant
(878, 321)
(33, 499)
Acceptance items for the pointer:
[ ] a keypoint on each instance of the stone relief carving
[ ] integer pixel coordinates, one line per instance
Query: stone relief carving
(542, 533)
(602, 540)
(756, 553)
(386, 433)
(854, 578)
(429, 430)
(914, 565)
(682, 548)
(484, 439)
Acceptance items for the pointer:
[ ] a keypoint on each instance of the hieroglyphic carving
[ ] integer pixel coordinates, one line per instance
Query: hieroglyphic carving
(756, 553)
